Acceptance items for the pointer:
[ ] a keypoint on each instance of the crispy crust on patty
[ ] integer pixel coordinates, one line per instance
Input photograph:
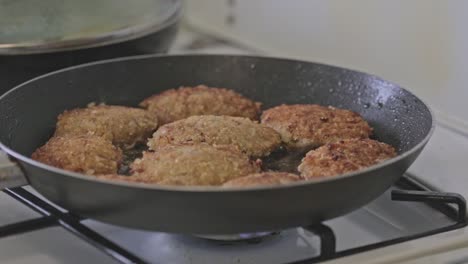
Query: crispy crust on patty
(314, 125)
(124, 126)
(265, 178)
(176, 104)
(250, 137)
(344, 156)
(193, 165)
(85, 154)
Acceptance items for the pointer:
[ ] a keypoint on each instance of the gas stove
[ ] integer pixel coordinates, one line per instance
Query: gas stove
(405, 212)
(418, 209)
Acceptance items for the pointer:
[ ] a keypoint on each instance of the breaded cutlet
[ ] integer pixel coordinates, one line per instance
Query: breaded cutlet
(176, 104)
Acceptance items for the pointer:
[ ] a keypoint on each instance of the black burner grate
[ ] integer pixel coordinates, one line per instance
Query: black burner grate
(72, 223)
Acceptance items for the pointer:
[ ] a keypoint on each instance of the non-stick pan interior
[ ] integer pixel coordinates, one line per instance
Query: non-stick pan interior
(28, 113)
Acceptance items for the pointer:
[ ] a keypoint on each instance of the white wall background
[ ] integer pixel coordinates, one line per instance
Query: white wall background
(420, 44)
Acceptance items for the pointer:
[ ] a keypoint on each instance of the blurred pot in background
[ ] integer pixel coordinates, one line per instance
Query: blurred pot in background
(52, 34)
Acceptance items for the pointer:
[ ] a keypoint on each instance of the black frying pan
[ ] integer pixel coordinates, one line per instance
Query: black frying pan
(28, 116)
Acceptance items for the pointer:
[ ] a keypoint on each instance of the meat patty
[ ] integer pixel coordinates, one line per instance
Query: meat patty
(193, 165)
(250, 137)
(117, 177)
(124, 126)
(306, 126)
(265, 178)
(85, 154)
(343, 157)
(176, 104)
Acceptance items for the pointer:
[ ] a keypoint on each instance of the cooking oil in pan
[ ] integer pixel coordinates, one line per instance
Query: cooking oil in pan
(129, 156)
(284, 160)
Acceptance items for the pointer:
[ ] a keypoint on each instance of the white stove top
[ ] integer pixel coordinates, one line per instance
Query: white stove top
(441, 164)
(379, 221)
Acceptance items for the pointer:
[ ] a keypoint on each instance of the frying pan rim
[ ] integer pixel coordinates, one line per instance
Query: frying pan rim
(213, 189)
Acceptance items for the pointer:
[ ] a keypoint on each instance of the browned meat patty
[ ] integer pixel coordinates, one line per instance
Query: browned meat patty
(265, 178)
(85, 154)
(116, 177)
(314, 125)
(344, 156)
(124, 126)
(176, 104)
(250, 137)
(193, 165)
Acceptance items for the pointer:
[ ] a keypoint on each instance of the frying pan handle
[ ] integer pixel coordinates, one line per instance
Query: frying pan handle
(11, 174)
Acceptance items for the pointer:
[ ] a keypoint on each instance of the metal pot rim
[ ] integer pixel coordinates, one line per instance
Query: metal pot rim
(112, 37)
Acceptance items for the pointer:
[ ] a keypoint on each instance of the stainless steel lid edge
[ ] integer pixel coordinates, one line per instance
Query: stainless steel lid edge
(126, 34)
